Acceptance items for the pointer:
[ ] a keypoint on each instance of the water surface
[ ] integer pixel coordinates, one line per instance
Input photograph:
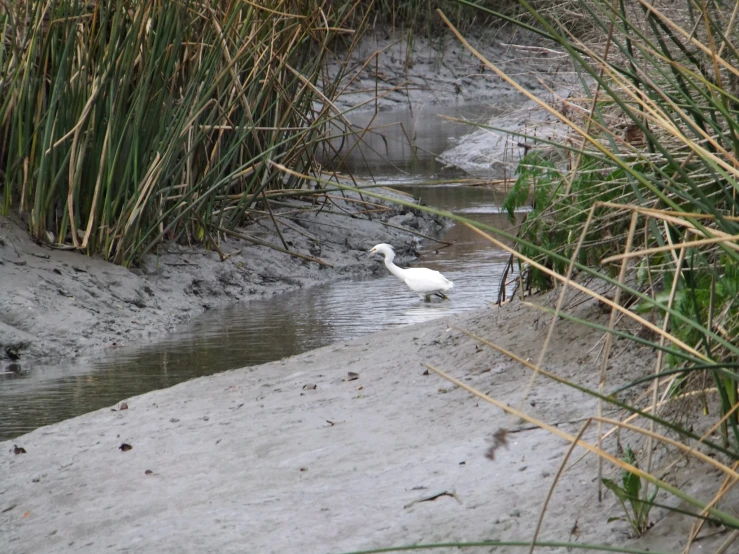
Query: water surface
(402, 146)
(256, 332)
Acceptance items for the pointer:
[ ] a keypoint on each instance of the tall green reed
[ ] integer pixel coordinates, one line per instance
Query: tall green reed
(659, 132)
(124, 123)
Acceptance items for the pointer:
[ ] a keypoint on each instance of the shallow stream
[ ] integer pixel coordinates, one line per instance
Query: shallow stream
(262, 331)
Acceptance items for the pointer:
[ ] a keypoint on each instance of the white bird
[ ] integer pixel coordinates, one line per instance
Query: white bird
(421, 280)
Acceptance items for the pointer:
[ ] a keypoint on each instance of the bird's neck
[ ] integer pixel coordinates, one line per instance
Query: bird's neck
(394, 269)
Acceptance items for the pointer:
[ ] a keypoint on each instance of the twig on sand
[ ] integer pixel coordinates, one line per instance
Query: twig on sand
(415, 233)
(277, 227)
(270, 245)
(433, 497)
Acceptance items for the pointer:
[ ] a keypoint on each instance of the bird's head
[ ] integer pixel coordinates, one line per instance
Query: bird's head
(384, 249)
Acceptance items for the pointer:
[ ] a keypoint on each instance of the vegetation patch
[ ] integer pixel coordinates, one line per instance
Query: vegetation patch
(123, 123)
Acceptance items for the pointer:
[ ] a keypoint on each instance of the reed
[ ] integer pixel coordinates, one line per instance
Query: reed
(641, 197)
(123, 123)
(672, 169)
(420, 15)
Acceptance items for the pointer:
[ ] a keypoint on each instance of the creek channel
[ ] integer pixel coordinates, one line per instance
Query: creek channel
(261, 331)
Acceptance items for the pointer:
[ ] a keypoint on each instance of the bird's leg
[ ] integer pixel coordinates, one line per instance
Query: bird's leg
(442, 295)
(427, 298)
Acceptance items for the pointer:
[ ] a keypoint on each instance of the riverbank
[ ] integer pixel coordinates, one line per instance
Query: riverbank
(351, 446)
(59, 303)
(56, 303)
(386, 72)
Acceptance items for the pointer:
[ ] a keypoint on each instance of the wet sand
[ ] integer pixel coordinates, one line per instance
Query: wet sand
(303, 456)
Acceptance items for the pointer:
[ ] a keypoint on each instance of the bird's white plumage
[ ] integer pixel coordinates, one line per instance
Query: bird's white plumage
(421, 280)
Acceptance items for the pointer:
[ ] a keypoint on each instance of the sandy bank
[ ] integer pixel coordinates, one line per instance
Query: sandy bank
(293, 456)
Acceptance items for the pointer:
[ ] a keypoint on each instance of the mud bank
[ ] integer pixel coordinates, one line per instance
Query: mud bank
(347, 447)
(441, 71)
(58, 303)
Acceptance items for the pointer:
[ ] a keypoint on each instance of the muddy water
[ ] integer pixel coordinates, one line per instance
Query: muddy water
(402, 146)
(262, 331)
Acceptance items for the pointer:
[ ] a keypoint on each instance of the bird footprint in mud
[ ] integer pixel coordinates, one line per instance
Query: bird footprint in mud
(499, 438)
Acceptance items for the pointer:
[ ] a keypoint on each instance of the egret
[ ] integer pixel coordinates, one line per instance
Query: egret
(420, 280)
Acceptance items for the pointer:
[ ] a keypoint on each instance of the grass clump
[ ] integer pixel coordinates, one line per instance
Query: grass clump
(650, 192)
(629, 493)
(642, 198)
(541, 184)
(420, 15)
(123, 123)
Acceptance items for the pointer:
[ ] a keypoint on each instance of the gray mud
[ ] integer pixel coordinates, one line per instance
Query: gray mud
(441, 71)
(59, 303)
